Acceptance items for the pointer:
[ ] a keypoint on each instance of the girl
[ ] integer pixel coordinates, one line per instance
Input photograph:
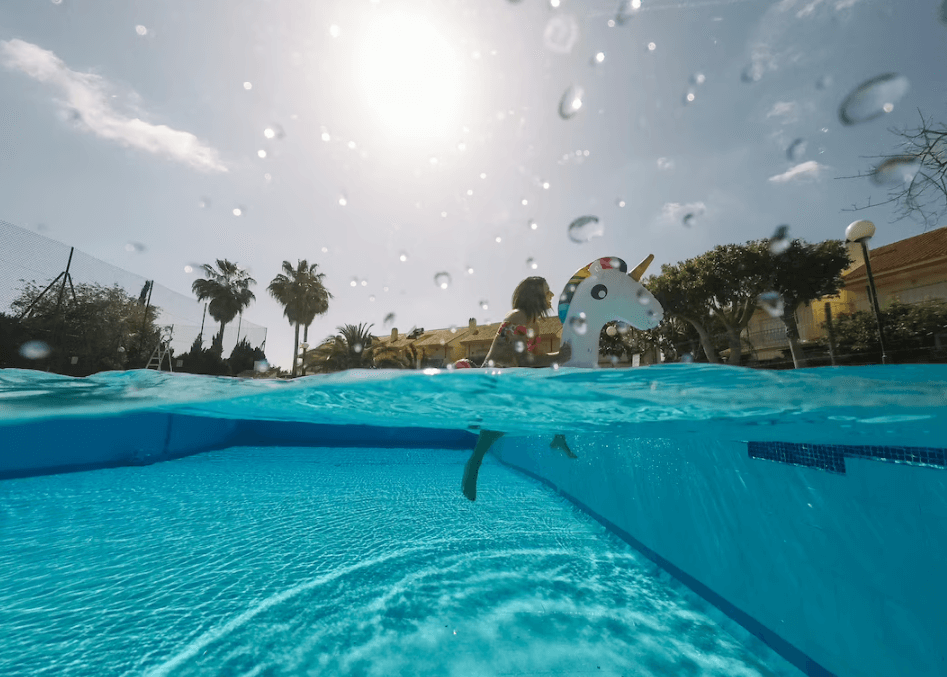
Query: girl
(516, 345)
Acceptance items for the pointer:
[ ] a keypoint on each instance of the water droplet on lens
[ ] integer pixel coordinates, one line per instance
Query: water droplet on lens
(531, 263)
(652, 46)
(579, 324)
(585, 228)
(626, 8)
(248, 86)
(571, 102)
(687, 358)
(261, 153)
(620, 203)
(343, 200)
(532, 224)
(189, 268)
(519, 346)
(611, 330)
(780, 240)
(136, 247)
(598, 58)
(689, 219)
(824, 82)
(899, 169)
(403, 256)
(772, 303)
(698, 79)
(260, 366)
(796, 150)
(335, 31)
(372, 298)
(389, 319)
(357, 347)
(364, 283)
(274, 132)
(644, 297)
(561, 33)
(204, 203)
(353, 282)
(238, 211)
(141, 30)
(484, 305)
(470, 271)
(34, 350)
(442, 280)
(752, 73)
(873, 98)
(498, 239)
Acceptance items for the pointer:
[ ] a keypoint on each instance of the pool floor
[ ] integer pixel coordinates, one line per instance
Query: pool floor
(286, 561)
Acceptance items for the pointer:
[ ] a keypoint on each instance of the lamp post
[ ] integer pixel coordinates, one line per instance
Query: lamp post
(861, 232)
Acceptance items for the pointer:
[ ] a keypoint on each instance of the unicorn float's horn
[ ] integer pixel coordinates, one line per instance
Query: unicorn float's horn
(639, 270)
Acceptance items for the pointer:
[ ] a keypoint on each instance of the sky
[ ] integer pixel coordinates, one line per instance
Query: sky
(389, 141)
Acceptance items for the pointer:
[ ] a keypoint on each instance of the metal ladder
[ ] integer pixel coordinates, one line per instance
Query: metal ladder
(162, 350)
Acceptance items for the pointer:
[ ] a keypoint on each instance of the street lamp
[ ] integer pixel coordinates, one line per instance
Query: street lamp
(861, 232)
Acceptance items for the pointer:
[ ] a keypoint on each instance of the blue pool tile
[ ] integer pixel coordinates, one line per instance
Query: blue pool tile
(831, 457)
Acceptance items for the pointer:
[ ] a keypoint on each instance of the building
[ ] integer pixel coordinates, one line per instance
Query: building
(909, 271)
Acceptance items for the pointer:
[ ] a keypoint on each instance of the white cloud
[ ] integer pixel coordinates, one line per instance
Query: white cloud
(88, 103)
(786, 110)
(804, 170)
(678, 213)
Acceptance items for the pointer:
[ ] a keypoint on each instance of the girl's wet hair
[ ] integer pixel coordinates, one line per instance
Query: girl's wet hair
(530, 297)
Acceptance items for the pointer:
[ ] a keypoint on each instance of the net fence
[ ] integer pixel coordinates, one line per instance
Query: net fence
(27, 256)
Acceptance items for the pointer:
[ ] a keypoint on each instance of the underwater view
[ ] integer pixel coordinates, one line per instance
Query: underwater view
(473, 337)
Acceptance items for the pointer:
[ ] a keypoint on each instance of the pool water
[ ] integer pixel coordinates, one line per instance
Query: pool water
(287, 561)
(369, 561)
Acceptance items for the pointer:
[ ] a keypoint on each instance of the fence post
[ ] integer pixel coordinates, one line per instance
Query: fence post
(831, 330)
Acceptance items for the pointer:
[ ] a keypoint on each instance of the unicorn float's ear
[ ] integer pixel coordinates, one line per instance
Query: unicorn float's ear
(638, 272)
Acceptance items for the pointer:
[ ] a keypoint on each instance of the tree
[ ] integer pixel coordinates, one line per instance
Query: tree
(802, 273)
(201, 360)
(720, 286)
(912, 330)
(302, 294)
(104, 327)
(228, 288)
(243, 357)
(916, 174)
(350, 348)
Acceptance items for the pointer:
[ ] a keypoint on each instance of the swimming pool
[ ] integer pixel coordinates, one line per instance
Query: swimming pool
(322, 530)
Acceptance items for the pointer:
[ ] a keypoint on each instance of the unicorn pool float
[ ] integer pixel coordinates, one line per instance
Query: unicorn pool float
(599, 293)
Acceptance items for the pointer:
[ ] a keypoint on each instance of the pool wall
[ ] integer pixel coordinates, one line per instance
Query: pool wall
(840, 572)
(73, 444)
(831, 556)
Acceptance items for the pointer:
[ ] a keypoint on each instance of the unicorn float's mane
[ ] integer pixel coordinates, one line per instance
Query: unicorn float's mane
(599, 293)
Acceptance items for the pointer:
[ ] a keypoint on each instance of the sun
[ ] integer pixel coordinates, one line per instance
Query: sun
(410, 77)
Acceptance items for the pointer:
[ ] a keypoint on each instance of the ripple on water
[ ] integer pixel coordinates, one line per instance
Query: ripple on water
(332, 561)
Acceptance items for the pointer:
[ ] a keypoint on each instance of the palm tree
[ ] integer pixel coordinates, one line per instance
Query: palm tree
(228, 288)
(350, 348)
(303, 296)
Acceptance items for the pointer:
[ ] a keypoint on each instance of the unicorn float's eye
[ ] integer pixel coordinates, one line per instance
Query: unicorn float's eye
(599, 291)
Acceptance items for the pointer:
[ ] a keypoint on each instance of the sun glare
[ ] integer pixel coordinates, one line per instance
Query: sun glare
(410, 77)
